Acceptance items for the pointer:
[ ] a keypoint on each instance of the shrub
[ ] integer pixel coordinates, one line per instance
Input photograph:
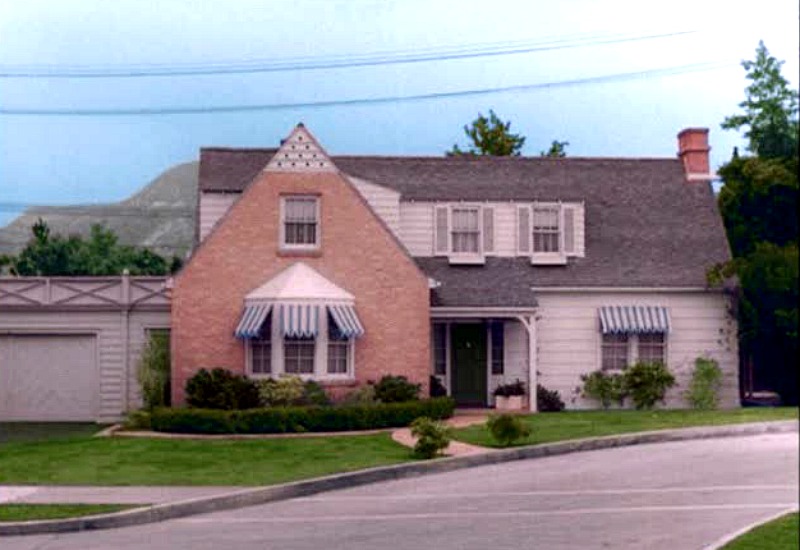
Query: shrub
(153, 372)
(281, 392)
(138, 420)
(507, 428)
(221, 389)
(396, 389)
(437, 388)
(647, 383)
(432, 437)
(603, 387)
(548, 400)
(314, 394)
(703, 392)
(300, 419)
(513, 388)
(365, 395)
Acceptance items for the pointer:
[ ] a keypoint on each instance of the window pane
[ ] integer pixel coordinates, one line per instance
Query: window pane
(338, 347)
(440, 349)
(300, 220)
(298, 355)
(498, 347)
(615, 351)
(546, 233)
(261, 350)
(465, 230)
(651, 348)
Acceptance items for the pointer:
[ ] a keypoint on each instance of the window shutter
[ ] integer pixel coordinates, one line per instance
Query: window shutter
(569, 230)
(441, 230)
(488, 229)
(523, 230)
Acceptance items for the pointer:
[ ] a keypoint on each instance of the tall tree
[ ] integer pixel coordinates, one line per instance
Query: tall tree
(558, 149)
(770, 116)
(758, 203)
(490, 137)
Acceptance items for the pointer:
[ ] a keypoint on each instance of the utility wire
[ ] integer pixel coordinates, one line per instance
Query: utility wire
(331, 62)
(171, 110)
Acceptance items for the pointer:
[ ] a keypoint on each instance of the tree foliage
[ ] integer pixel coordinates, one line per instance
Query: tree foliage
(758, 202)
(100, 254)
(490, 137)
(558, 149)
(770, 116)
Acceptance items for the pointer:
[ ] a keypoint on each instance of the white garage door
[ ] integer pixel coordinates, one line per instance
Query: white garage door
(46, 377)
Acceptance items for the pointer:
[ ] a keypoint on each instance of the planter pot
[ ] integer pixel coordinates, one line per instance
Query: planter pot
(510, 403)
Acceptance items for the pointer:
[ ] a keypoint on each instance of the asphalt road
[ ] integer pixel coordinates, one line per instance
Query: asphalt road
(672, 496)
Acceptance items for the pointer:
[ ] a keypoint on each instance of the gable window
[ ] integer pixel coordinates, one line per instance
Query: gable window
(651, 348)
(261, 350)
(338, 349)
(614, 350)
(498, 347)
(546, 229)
(298, 355)
(300, 222)
(466, 231)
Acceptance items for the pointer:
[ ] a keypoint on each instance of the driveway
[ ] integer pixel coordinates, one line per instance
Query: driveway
(681, 495)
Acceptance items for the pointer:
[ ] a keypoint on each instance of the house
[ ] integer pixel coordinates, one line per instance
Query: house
(475, 270)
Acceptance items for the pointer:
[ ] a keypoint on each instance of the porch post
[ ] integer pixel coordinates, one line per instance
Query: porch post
(529, 322)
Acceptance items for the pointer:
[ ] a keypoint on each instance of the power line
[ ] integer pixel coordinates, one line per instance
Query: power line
(330, 62)
(620, 77)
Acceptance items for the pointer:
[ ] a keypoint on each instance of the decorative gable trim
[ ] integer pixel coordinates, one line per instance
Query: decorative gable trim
(300, 152)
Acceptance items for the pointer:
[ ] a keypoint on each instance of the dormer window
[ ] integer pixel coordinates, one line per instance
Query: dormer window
(300, 222)
(464, 232)
(546, 229)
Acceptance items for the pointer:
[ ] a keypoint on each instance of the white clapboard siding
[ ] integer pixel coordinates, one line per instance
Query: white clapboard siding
(109, 328)
(568, 339)
(416, 227)
(384, 202)
(212, 207)
(515, 357)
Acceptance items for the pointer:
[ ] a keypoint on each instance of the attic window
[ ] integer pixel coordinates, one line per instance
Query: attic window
(464, 232)
(300, 222)
(546, 231)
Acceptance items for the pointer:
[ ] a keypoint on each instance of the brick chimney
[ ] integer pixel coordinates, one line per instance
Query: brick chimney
(693, 151)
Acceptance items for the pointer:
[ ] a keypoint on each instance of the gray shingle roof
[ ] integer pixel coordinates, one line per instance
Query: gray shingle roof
(646, 226)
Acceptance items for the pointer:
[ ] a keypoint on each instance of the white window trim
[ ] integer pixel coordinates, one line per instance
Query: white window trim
(633, 352)
(465, 257)
(548, 258)
(287, 246)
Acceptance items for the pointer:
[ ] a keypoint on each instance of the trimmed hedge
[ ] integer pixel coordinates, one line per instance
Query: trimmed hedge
(299, 419)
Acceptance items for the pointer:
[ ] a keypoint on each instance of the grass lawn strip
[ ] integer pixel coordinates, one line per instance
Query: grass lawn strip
(31, 512)
(11, 432)
(560, 426)
(779, 534)
(123, 461)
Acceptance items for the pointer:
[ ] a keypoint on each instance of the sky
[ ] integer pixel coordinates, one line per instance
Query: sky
(613, 78)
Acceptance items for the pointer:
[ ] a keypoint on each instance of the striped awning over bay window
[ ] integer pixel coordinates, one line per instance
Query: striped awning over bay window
(346, 319)
(253, 317)
(299, 320)
(634, 319)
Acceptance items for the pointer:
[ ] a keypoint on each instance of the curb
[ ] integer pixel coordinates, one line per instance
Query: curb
(273, 493)
(717, 545)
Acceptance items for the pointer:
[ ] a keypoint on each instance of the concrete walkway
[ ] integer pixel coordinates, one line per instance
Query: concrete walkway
(456, 448)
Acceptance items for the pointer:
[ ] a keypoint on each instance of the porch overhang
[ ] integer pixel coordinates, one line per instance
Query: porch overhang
(450, 312)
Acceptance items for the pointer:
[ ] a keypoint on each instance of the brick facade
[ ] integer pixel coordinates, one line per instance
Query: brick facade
(357, 253)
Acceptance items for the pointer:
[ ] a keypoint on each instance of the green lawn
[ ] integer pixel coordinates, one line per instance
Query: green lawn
(129, 461)
(43, 431)
(780, 534)
(549, 427)
(30, 512)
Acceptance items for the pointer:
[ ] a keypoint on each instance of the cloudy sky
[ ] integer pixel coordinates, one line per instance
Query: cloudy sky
(97, 98)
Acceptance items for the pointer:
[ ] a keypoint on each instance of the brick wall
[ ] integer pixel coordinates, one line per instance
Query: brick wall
(357, 253)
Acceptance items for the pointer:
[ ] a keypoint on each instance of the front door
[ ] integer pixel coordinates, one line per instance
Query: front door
(468, 363)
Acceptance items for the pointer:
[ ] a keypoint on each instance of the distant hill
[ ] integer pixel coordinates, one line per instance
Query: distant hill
(161, 216)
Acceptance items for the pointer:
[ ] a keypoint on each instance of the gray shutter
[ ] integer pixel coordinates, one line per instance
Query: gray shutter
(488, 229)
(441, 229)
(523, 230)
(569, 230)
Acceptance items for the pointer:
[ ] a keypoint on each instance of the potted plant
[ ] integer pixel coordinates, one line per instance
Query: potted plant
(508, 397)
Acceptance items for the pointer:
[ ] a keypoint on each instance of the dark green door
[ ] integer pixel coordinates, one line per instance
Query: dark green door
(468, 363)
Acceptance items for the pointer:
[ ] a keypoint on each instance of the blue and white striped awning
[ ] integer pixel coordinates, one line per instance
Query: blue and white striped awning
(346, 319)
(253, 317)
(634, 319)
(299, 320)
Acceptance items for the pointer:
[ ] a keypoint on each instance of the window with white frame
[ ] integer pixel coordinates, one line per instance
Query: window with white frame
(300, 221)
(439, 349)
(614, 350)
(338, 349)
(465, 230)
(546, 229)
(298, 355)
(651, 348)
(261, 350)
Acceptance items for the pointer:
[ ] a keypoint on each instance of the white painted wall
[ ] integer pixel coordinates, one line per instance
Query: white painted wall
(515, 358)
(212, 207)
(383, 201)
(569, 339)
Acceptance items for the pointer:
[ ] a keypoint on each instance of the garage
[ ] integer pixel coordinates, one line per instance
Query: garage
(48, 377)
